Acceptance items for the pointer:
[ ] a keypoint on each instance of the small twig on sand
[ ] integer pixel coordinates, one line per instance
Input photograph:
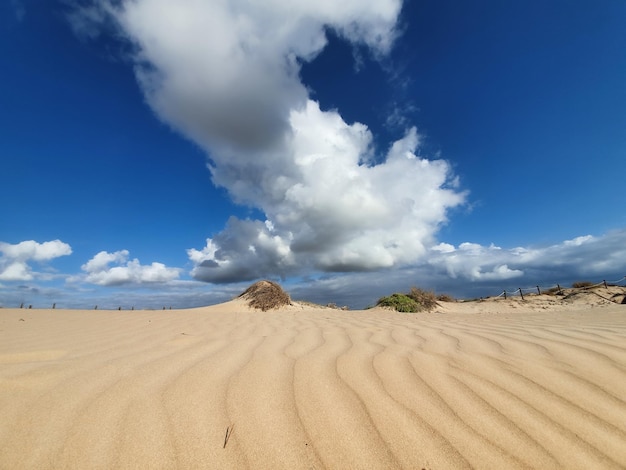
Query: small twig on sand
(229, 432)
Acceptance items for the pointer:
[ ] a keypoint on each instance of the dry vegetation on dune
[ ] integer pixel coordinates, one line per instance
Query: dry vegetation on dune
(266, 295)
(596, 295)
(564, 297)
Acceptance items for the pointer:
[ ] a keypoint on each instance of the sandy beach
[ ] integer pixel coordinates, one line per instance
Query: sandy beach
(500, 384)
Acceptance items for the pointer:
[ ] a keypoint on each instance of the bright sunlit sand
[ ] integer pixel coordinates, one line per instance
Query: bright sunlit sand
(493, 384)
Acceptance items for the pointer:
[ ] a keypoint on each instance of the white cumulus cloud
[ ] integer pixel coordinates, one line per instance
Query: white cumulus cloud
(585, 256)
(15, 258)
(99, 270)
(473, 262)
(226, 74)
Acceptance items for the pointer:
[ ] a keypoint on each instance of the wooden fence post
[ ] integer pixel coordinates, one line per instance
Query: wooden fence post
(521, 293)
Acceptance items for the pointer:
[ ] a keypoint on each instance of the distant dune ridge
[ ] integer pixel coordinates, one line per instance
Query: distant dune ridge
(534, 383)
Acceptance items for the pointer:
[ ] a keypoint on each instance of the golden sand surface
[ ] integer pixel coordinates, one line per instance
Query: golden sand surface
(495, 385)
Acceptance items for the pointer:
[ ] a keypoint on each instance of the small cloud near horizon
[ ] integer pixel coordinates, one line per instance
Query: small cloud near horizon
(16, 260)
(124, 271)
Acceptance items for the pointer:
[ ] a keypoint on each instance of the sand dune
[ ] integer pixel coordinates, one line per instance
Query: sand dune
(482, 385)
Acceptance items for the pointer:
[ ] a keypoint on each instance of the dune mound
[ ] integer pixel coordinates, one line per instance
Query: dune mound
(266, 295)
(596, 295)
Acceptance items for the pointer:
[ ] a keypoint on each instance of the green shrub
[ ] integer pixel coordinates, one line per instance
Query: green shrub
(400, 303)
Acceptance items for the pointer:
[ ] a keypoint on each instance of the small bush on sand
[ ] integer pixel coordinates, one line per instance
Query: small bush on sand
(417, 300)
(445, 298)
(266, 295)
(426, 299)
(580, 284)
(400, 303)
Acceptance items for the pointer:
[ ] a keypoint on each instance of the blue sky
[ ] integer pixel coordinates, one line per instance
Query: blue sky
(156, 154)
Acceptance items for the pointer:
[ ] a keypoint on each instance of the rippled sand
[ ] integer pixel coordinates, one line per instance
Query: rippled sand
(492, 386)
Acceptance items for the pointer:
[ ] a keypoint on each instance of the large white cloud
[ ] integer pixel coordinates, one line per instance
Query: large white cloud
(474, 262)
(15, 258)
(336, 214)
(99, 270)
(226, 74)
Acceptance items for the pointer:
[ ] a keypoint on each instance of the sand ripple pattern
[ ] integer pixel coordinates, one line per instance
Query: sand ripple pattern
(224, 387)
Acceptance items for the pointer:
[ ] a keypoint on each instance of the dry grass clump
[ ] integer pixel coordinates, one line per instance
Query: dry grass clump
(553, 291)
(445, 298)
(580, 284)
(266, 295)
(427, 300)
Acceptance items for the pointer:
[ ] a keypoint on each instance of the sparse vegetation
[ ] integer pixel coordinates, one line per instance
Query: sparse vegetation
(335, 306)
(557, 290)
(427, 300)
(445, 298)
(580, 284)
(552, 291)
(266, 295)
